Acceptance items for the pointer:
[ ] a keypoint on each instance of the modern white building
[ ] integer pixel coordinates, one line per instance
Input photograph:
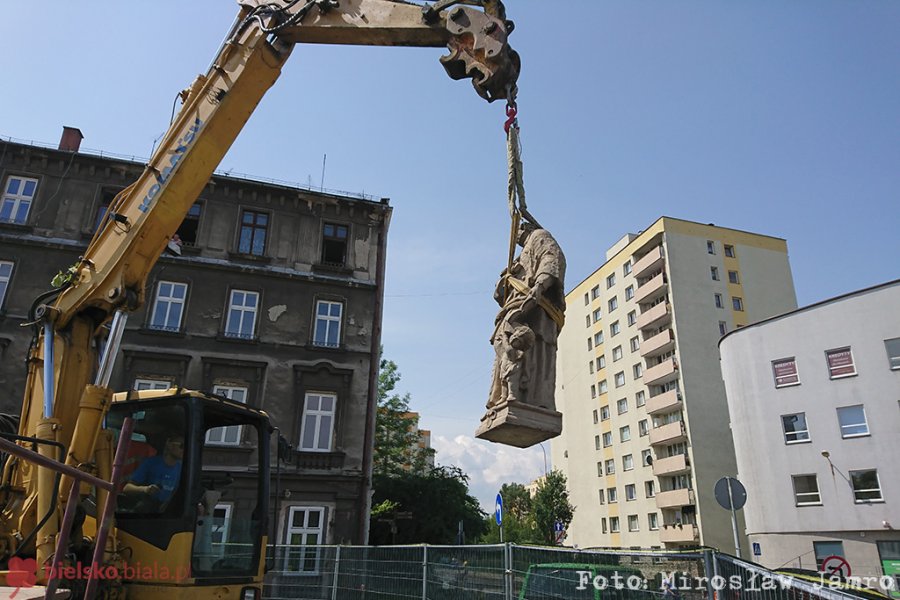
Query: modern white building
(814, 396)
(645, 421)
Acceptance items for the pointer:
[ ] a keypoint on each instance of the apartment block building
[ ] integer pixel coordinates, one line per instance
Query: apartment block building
(645, 421)
(814, 396)
(275, 301)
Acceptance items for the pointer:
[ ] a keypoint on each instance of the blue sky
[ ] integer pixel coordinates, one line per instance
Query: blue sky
(780, 118)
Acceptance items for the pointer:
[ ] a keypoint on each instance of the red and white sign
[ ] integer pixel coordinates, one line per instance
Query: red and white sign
(785, 372)
(840, 362)
(836, 565)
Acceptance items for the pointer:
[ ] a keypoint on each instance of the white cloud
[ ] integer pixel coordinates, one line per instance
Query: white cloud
(489, 465)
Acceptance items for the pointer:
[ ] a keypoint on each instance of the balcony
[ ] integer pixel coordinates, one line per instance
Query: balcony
(672, 465)
(668, 434)
(664, 372)
(675, 498)
(652, 289)
(666, 402)
(655, 316)
(652, 260)
(672, 533)
(658, 344)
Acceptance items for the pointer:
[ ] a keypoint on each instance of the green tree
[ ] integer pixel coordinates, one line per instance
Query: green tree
(396, 428)
(551, 505)
(416, 508)
(518, 521)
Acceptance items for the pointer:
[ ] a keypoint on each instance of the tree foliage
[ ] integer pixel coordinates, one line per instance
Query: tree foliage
(551, 505)
(396, 428)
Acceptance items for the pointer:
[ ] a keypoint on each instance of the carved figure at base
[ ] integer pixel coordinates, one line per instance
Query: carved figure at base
(532, 307)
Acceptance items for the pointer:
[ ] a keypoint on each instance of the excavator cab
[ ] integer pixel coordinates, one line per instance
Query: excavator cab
(193, 509)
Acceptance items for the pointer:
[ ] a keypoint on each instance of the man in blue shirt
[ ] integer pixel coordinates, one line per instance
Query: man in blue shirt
(156, 479)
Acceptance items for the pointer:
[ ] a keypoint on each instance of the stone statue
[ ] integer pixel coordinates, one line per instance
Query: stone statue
(532, 300)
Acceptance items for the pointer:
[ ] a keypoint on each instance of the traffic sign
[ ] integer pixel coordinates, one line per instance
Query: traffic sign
(730, 493)
(498, 510)
(558, 526)
(836, 565)
(757, 549)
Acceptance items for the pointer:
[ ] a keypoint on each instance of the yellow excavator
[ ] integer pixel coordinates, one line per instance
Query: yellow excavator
(109, 495)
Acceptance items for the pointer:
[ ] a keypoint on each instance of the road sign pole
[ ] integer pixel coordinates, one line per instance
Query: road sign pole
(501, 533)
(734, 527)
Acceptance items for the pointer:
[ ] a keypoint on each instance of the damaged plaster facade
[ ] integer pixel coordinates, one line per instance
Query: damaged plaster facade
(275, 301)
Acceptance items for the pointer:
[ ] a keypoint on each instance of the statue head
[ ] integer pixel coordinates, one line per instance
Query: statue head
(525, 229)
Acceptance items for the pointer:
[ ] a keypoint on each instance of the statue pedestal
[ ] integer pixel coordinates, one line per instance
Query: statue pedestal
(519, 425)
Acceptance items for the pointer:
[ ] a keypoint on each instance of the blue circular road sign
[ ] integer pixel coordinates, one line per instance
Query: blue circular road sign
(498, 510)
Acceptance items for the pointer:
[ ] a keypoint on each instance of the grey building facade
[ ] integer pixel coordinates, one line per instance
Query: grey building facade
(813, 396)
(275, 301)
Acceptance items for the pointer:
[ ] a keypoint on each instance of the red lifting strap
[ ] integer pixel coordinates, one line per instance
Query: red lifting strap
(511, 112)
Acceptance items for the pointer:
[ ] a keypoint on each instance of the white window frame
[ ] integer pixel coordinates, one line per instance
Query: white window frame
(787, 379)
(891, 348)
(653, 521)
(607, 439)
(598, 338)
(617, 353)
(632, 318)
(613, 303)
(831, 370)
(614, 524)
(304, 531)
(17, 200)
(643, 428)
(601, 362)
(242, 312)
(168, 304)
(842, 425)
(612, 495)
(626, 268)
(638, 370)
(797, 439)
(604, 413)
(628, 462)
(620, 379)
(729, 251)
(635, 343)
(809, 498)
(225, 528)
(620, 404)
(141, 384)
(597, 315)
(611, 468)
(230, 435)
(610, 280)
(595, 292)
(737, 303)
(714, 273)
(650, 488)
(328, 321)
(625, 433)
(318, 414)
(734, 278)
(719, 303)
(640, 398)
(614, 328)
(645, 454)
(629, 292)
(5, 279)
(602, 387)
(633, 523)
(857, 500)
(710, 247)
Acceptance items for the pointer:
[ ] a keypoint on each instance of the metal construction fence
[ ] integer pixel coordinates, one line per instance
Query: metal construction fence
(512, 572)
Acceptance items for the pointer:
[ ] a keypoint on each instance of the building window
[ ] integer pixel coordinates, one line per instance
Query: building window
(593, 391)
(785, 372)
(806, 490)
(106, 199)
(640, 399)
(653, 521)
(168, 307)
(587, 320)
(729, 250)
(614, 524)
(714, 273)
(230, 435)
(892, 347)
(6, 268)
(866, 487)
(611, 495)
(187, 231)
(737, 303)
(840, 363)
(596, 442)
(603, 522)
(795, 428)
(18, 194)
(853, 421)
(221, 524)
(601, 362)
(305, 530)
(614, 328)
(590, 344)
(625, 433)
(733, 277)
(635, 344)
(328, 324)
(617, 353)
(650, 488)
(633, 523)
(604, 413)
(598, 338)
(710, 246)
(643, 427)
(600, 493)
(597, 315)
(638, 370)
(602, 387)
(723, 327)
(611, 281)
(595, 292)
(627, 463)
(622, 406)
(254, 226)
(611, 469)
(596, 417)
(151, 384)
(632, 318)
(317, 427)
(629, 292)
(590, 367)
(626, 268)
(613, 303)
(334, 244)
(825, 549)
(620, 379)
(607, 439)
(719, 301)
(241, 322)
(586, 300)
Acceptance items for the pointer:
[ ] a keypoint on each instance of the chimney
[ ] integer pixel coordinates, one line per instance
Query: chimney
(70, 140)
